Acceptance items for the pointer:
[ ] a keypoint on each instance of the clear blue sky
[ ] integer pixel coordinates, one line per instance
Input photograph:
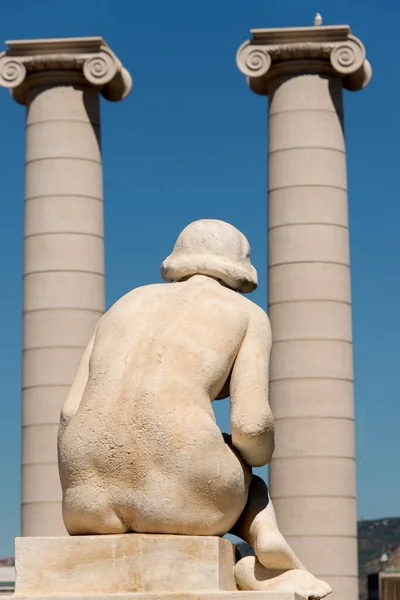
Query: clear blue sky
(189, 143)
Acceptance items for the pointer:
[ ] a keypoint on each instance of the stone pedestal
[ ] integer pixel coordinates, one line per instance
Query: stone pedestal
(59, 82)
(312, 473)
(131, 566)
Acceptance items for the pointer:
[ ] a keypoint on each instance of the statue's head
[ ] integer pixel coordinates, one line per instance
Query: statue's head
(213, 248)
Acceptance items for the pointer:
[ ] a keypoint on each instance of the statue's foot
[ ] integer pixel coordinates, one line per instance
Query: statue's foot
(251, 575)
(273, 551)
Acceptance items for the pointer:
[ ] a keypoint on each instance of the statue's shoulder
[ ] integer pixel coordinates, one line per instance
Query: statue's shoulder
(255, 314)
(144, 291)
(251, 307)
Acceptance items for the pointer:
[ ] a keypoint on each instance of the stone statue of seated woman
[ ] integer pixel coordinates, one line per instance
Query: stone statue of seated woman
(139, 447)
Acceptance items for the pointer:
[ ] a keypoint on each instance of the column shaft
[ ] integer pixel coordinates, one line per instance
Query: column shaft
(312, 473)
(63, 278)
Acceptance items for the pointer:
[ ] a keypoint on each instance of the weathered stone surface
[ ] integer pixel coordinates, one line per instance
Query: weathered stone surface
(120, 564)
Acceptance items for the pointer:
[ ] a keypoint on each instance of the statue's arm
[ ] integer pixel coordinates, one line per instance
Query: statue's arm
(252, 423)
(78, 386)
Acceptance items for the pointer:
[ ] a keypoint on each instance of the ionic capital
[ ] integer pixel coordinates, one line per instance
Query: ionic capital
(331, 50)
(29, 63)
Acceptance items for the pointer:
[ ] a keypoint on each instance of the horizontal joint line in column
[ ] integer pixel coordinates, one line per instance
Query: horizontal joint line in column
(326, 148)
(309, 300)
(45, 385)
(302, 224)
(83, 196)
(46, 158)
(313, 456)
(64, 271)
(312, 379)
(307, 262)
(307, 185)
(274, 498)
(40, 425)
(39, 464)
(63, 308)
(322, 418)
(41, 501)
(321, 535)
(53, 348)
(58, 120)
(296, 110)
(313, 340)
(95, 235)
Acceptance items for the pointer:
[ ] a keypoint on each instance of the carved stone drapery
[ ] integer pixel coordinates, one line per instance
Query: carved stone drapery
(326, 49)
(29, 63)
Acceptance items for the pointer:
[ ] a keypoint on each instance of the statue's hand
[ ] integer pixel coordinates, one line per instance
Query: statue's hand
(228, 441)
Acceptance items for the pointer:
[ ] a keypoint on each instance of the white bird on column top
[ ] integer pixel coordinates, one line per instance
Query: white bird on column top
(317, 20)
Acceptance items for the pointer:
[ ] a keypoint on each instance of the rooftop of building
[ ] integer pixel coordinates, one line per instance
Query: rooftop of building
(7, 574)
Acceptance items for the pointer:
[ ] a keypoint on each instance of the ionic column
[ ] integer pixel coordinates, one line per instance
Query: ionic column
(59, 82)
(312, 474)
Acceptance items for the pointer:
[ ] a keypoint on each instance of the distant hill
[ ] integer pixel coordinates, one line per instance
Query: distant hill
(374, 538)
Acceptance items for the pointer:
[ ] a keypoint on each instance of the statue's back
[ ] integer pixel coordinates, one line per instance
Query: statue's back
(161, 355)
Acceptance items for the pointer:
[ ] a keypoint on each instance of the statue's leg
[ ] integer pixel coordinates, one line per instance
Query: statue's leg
(258, 527)
(276, 567)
